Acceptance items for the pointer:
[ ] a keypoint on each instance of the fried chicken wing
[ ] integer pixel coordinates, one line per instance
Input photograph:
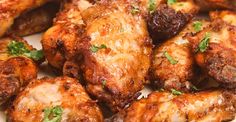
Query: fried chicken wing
(207, 5)
(215, 49)
(15, 71)
(54, 99)
(116, 50)
(11, 9)
(206, 106)
(173, 65)
(34, 21)
(168, 19)
(59, 41)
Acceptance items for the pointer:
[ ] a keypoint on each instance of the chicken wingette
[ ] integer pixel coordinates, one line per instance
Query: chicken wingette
(206, 106)
(167, 19)
(11, 9)
(173, 65)
(60, 99)
(17, 68)
(34, 21)
(215, 49)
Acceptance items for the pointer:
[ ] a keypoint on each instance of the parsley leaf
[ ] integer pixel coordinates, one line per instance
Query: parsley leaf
(94, 48)
(176, 92)
(194, 88)
(202, 47)
(53, 114)
(197, 26)
(104, 83)
(18, 48)
(170, 2)
(134, 10)
(170, 59)
(151, 6)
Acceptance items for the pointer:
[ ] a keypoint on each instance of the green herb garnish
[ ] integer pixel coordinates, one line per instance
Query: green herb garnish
(176, 92)
(202, 47)
(197, 26)
(104, 83)
(19, 49)
(194, 88)
(134, 10)
(53, 114)
(151, 6)
(170, 2)
(170, 59)
(94, 48)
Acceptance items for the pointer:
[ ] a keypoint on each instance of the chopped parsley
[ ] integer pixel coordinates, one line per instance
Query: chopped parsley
(194, 88)
(94, 48)
(203, 45)
(151, 6)
(19, 49)
(53, 114)
(104, 83)
(197, 26)
(176, 92)
(170, 2)
(134, 10)
(170, 59)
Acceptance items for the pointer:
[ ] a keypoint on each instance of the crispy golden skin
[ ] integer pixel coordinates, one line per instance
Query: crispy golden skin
(168, 20)
(34, 21)
(206, 106)
(65, 92)
(219, 58)
(115, 74)
(206, 5)
(15, 72)
(59, 41)
(11, 9)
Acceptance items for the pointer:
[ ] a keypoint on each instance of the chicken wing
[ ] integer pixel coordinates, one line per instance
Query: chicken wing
(207, 106)
(60, 99)
(59, 41)
(15, 71)
(34, 21)
(11, 9)
(207, 5)
(173, 65)
(215, 49)
(113, 41)
(169, 18)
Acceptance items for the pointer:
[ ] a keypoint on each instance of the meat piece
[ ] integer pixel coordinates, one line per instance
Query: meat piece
(206, 106)
(54, 99)
(34, 21)
(207, 5)
(169, 19)
(15, 71)
(11, 9)
(59, 41)
(215, 50)
(173, 65)
(226, 16)
(116, 50)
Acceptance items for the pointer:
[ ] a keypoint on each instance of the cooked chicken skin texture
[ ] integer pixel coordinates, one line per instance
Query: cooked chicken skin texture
(169, 19)
(59, 42)
(113, 73)
(207, 5)
(206, 106)
(34, 21)
(15, 71)
(64, 92)
(11, 9)
(178, 75)
(219, 58)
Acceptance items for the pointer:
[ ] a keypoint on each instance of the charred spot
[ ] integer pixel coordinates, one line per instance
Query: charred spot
(66, 86)
(165, 23)
(60, 46)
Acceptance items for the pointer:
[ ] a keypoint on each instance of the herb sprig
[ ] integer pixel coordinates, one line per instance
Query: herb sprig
(94, 48)
(53, 114)
(170, 59)
(203, 45)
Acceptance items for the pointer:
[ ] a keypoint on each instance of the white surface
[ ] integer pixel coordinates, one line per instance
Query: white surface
(34, 40)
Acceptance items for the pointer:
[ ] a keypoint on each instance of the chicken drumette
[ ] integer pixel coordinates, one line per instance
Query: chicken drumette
(173, 65)
(60, 99)
(17, 68)
(206, 106)
(215, 48)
